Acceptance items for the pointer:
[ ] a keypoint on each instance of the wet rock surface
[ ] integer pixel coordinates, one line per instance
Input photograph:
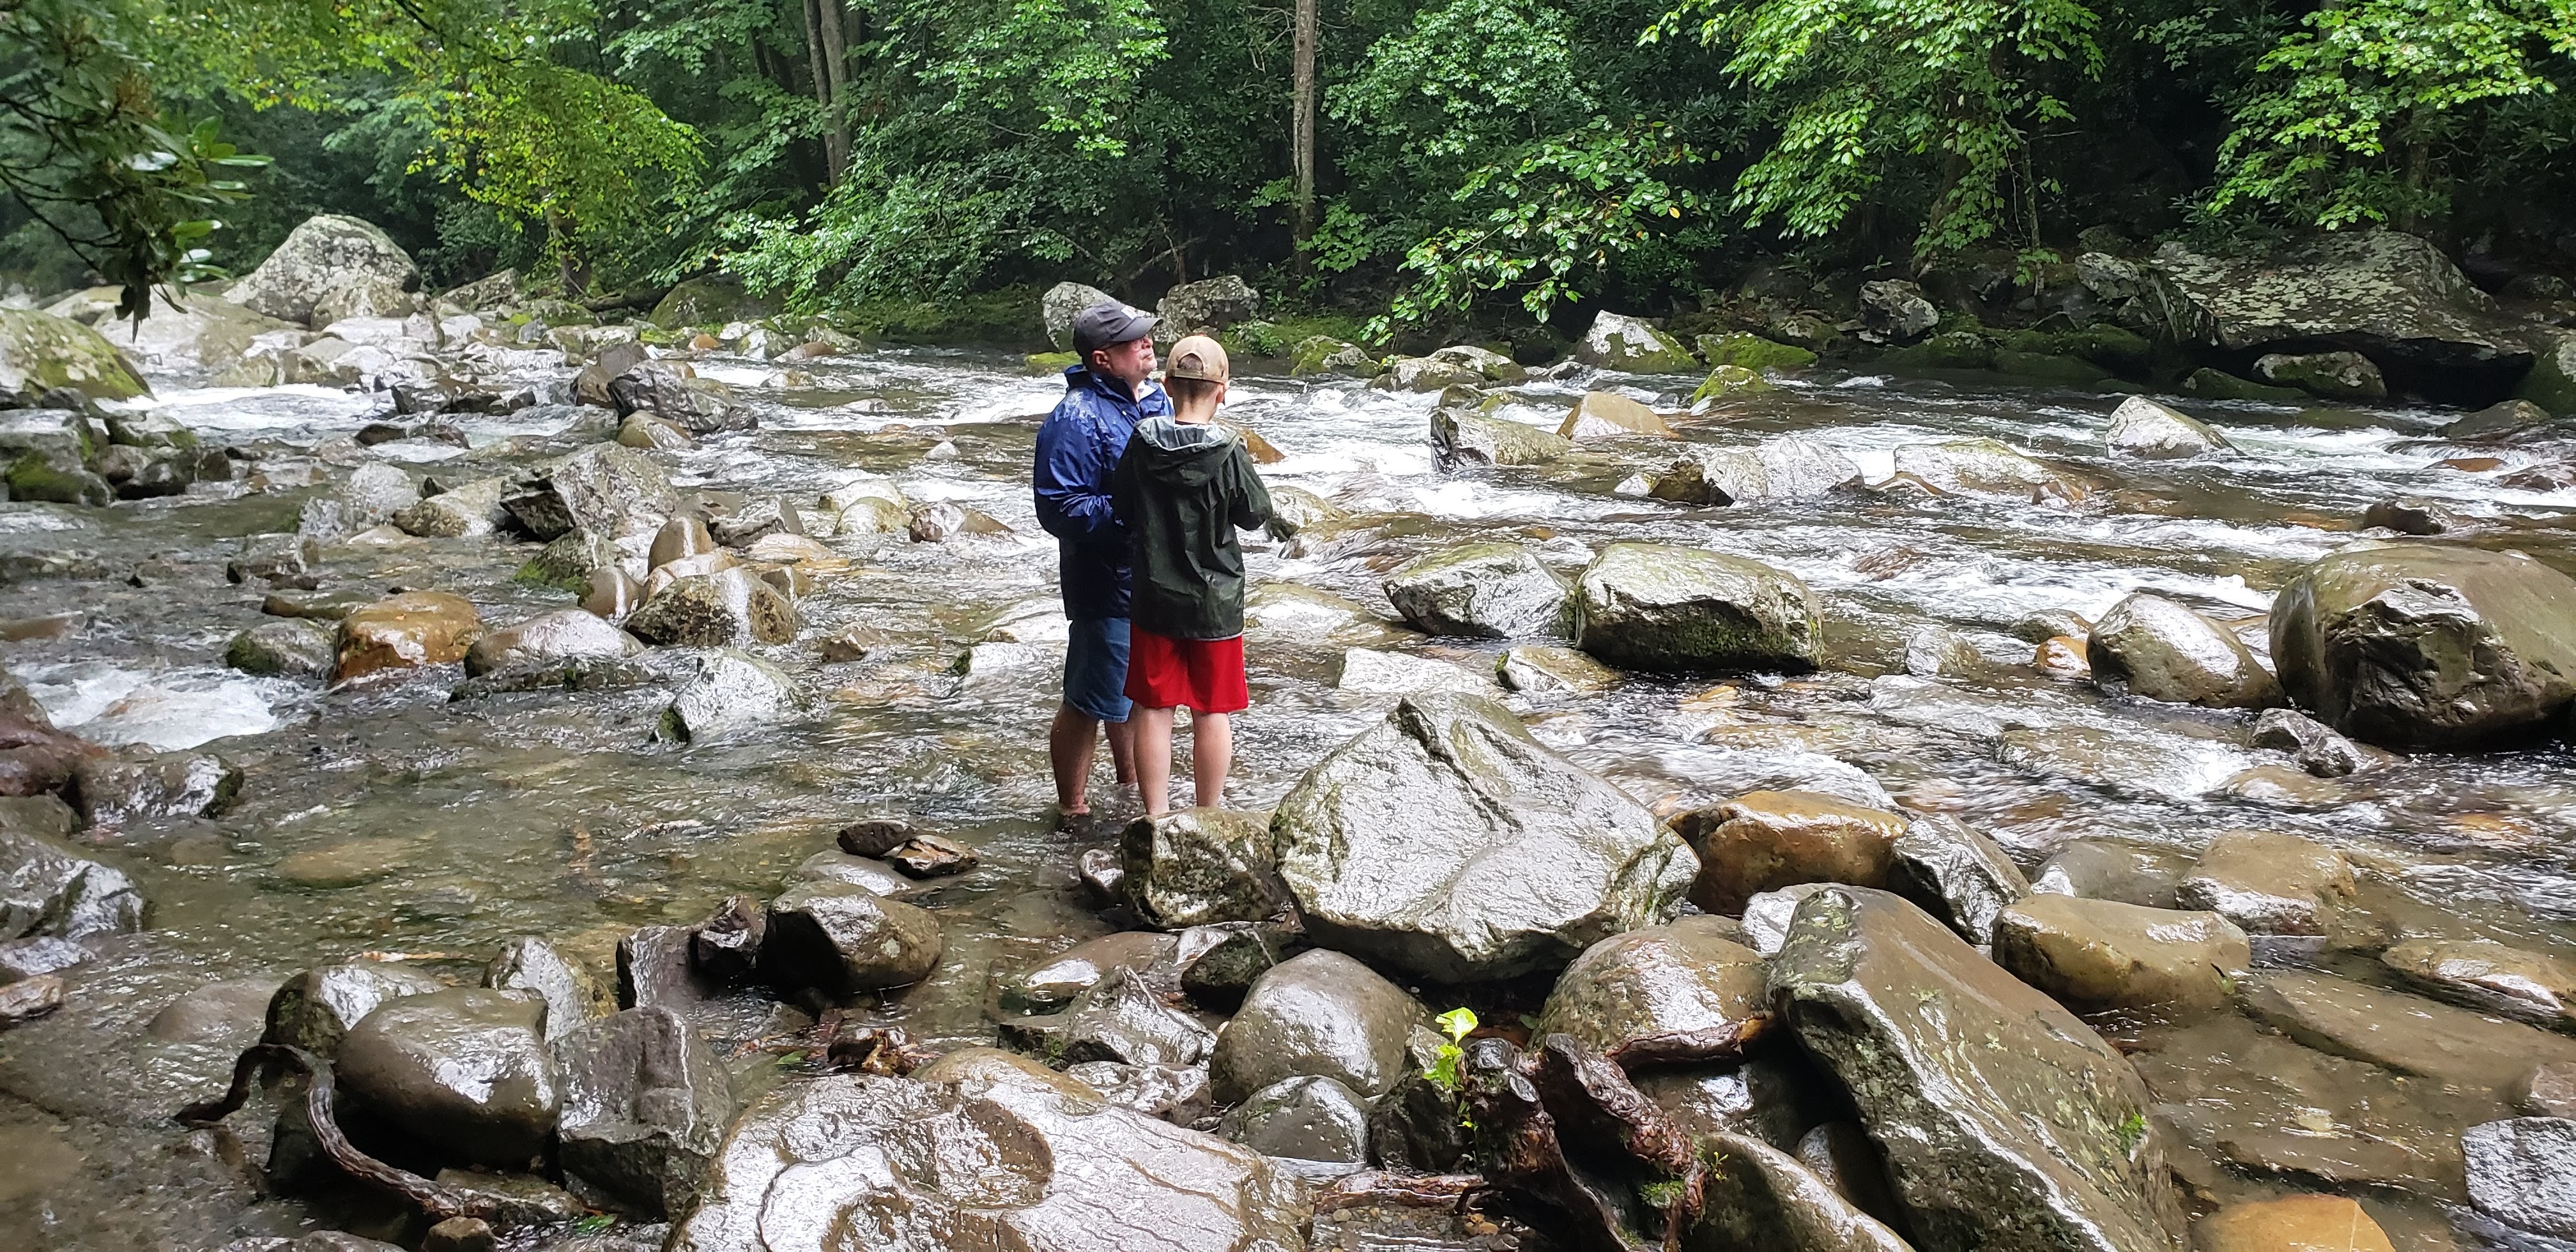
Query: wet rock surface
(1320, 1014)
(645, 1104)
(1198, 867)
(1496, 591)
(463, 1069)
(2165, 651)
(1662, 607)
(1674, 994)
(1767, 840)
(842, 940)
(2097, 954)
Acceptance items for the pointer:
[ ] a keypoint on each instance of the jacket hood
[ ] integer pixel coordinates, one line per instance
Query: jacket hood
(1183, 453)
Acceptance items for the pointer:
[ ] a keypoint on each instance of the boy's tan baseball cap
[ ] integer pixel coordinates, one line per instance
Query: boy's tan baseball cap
(1198, 357)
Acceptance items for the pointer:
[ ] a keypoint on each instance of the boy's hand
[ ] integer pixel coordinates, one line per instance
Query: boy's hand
(1281, 529)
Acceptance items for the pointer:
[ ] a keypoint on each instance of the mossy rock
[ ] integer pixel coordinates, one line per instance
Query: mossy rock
(39, 352)
(1728, 380)
(2213, 384)
(38, 477)
(1049, 362)
(999, 317)
(2115, 348)
(1323, 354)
(2046, 367)
(710, 301)
(1753, 352)
(1949, 350)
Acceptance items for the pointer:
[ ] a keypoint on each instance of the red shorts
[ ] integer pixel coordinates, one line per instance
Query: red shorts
(1203, 675)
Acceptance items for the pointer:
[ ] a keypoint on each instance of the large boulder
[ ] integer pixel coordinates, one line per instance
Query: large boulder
(711, 300)
(2007, 1122)
(1783, 468)
(645, 1106)
(565, 637)
(321, 267)
(49, 889)
(40, 352)
(1209, 304)
(1001, 1160)
(1057, 308)
(841, 940)
(1466, 435)
(1617, 342)
(202, 334)
(2149, 431)
(1199, 867)
(1678, 993)
(2391, 295)
(1657, 606)
(605, 488)
(1981, 467)
(464, 1070)
(730, 607)
(2333, 375)
(1483, 590)
(1448, 843)
(2165, 651)
(2551, 384)
(1320, 1014)
(1897, 310)
(675, 394)
(2424, 646)
(413, 629)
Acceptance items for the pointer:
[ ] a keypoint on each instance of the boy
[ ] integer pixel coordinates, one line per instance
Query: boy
(1183, 487)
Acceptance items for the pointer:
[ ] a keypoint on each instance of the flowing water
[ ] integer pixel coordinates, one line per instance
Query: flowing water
(448, 826)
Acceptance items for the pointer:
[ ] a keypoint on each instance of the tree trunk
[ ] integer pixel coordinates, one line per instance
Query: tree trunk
(1301, 126)
(825, 49)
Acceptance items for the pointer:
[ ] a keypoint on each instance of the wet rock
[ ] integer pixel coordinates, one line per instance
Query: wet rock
(288, 649)
(39, 954)
(1196, 867)
(1955, 873)
(2417, 645)
(1783, 468)
(1999, 1110)
(2291, 1223)
(656, 969)
(2316, 747)
(2142, 428)
(460, 1234)
(468, 509)
(2401, 1032)
(1318, 1014)
(2268, 883)
(1218, 964)
(1449, 843)
(35, 758)
(1933, 651)
(1766, 840)
(2522, 1172)
(63, 435)
(2165, 651)
(938, 522)
(564, 637)
(1724, 381)
(568, 561)
(647, 433)
(727, 608)
(325, 265)
(1541, 669)
(1306, 1119)
(2334, 375)
(1662, 607)
(1981, 467)
(226, 1014)
(1323, 354)
(1209, 304)
(2261, 1102)
(2393, 295)
(1563, 1126)
(464, 1070)
(1176, 1094)
(1481, 590)
(2106, 870)
(48, 889)
(1415, 1126)
(932, 856)
(1052, 984)
(831, 865)
(981, 1068)
(1052, 1172)
(111, 790)
(671, 392)
(406, 631)
(2552, 380)
(2410, 517)
(571, 996)
(1461, 434)
(645, 1106)
(1422, 373)
(1062, 302)
(30, 998)
(1761, 1197)
(2527, 986)
(2502, 422)
(604, 488)
(842, 940)
(612, 594)
(756, 520)
(316, 1009)
(1367, 671)
(731, 692)
(1675, 994)
(1121, 1019)
(1897, 309)
(2100, 954)
(590, 386)
(50, 478)
(1617, 342)
(876, 836)
(725, 948)
(1609, 415)
(372, 495)
(1767, 1098)
(1492, 365)
(2549, 1090)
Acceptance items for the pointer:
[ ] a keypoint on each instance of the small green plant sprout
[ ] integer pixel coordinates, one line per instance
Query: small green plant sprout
(2131, 1131)
(1457, 1024)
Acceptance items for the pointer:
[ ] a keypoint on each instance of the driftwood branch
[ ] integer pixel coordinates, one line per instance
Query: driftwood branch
(439, 1202)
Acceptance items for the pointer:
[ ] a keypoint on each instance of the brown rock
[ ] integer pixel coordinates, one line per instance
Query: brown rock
(30, 998)
(2097, 954)
(1766, 840)
(2549, 1090)
(413, 629)
(683, 535)
(1677, 993)
(2490, 977)
(2402, 1032)
(2268, 883)
(986, 1067)
(1603, 414)
(932, 856)
(2293, 1223)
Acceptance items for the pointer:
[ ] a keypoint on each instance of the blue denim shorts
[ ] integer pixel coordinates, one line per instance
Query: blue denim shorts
(1095, 668)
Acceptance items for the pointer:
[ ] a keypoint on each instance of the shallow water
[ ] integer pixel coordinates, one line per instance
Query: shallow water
(471, 821)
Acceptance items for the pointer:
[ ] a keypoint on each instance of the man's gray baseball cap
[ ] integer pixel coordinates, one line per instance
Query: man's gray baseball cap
(1106, 323)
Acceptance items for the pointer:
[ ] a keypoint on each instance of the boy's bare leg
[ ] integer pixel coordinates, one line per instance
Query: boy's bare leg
(1069, 751)
(1211, 755)
(1122, 751)
(1153, 747)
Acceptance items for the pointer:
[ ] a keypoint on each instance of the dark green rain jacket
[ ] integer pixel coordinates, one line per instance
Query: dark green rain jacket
(1182, 490)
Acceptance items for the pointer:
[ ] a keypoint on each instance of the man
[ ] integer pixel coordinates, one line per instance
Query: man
(1105, 395)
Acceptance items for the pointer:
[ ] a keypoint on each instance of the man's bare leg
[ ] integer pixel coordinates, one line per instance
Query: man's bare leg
(1069, 751)
(1153, 748)
(1211, 755)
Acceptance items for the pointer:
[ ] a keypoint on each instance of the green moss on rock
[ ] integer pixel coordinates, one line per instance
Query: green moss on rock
(1753, 352)
(39, 352)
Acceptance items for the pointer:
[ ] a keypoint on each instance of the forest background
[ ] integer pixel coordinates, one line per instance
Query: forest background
(1493, 160)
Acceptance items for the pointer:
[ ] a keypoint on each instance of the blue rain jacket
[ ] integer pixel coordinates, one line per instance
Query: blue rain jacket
(1078, 446)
